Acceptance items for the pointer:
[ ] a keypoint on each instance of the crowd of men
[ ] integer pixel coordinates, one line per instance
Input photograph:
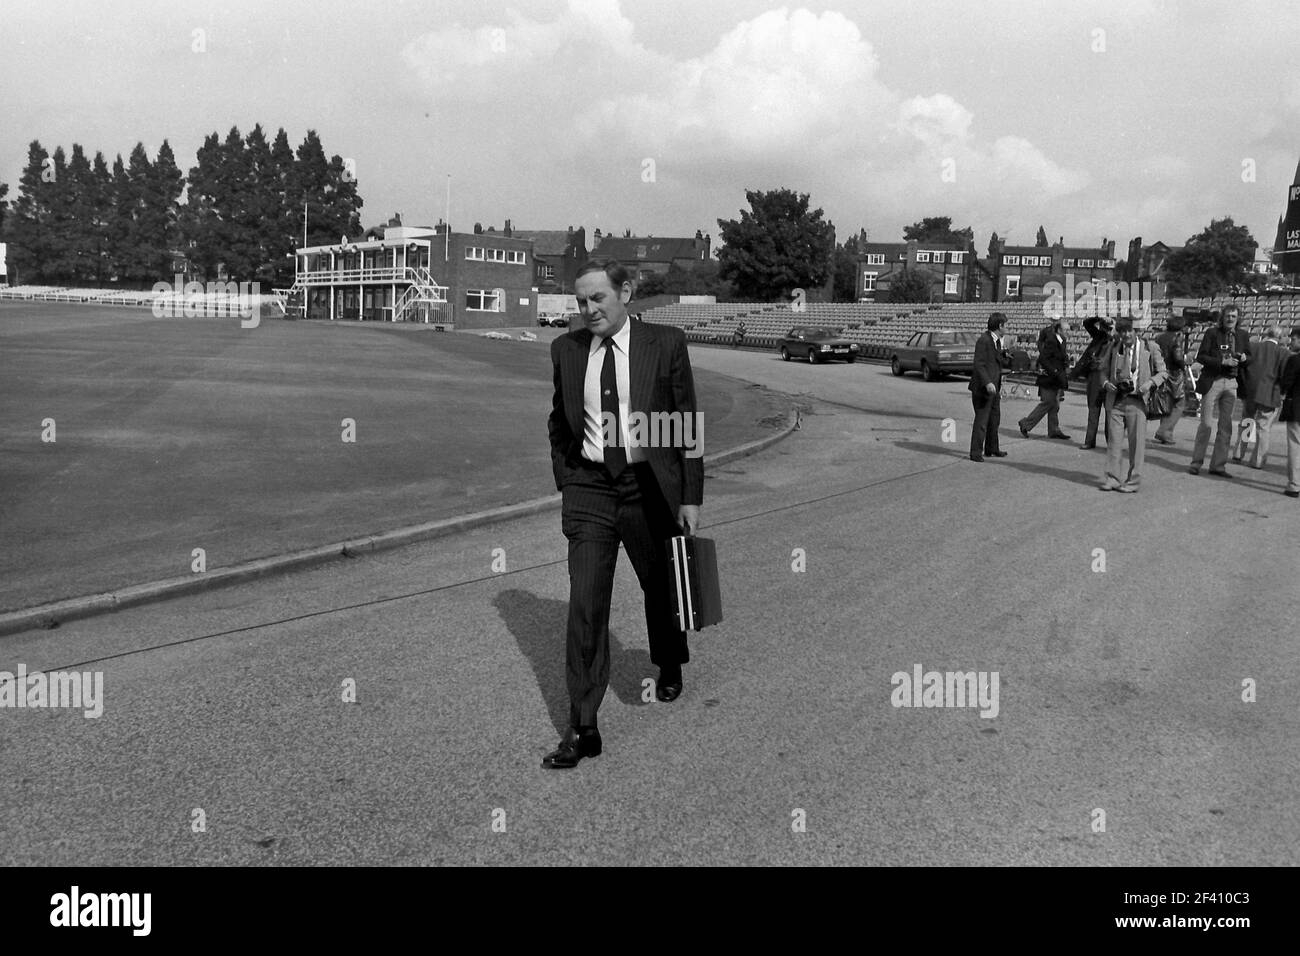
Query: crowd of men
(1130, 379)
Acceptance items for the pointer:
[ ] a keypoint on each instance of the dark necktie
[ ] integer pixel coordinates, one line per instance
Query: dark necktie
(615, 456)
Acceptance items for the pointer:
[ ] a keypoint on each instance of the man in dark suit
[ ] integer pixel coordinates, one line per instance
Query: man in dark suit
(608, 371)
(1290, 413)
(1260, 394)
(1101, 331)
(986, 390)
(1053, 379)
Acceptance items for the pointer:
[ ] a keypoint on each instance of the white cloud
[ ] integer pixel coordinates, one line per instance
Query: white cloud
(790, 97)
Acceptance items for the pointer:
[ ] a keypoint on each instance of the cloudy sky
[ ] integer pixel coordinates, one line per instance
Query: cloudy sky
(1094, 120)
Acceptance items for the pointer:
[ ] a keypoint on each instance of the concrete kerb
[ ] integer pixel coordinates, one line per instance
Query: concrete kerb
(53, 614)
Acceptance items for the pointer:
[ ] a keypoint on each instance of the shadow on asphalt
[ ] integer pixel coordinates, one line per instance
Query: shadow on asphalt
(538, 626)
(1065, 474)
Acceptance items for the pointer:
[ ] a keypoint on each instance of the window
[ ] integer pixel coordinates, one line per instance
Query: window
(474, 252)
(515, 257)
(548, 272)
(1011, 260)
(1085, 263)
(1105, 263)
(494, 255)
(1013, 285)
(640, 252)
(484, 300)
(644, 274)
(869, 281)
(956, 257)
(950, 284)
(1067, 263)
(876, 259)
(914, 341)
(936, 256)
(923, 257)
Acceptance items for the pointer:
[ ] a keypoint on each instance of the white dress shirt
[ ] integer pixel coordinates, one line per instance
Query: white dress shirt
(593, 445)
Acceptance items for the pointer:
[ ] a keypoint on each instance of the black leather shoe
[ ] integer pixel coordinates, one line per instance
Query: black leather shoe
(1088, 445)
(1024, 431)
(1292, 494)
(1220, 473)
(997, 454)
(669, 686)
(1059, 435)
(976, 458)
(575, 745)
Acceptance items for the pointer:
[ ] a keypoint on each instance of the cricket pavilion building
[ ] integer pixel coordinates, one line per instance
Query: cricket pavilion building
(399, 273)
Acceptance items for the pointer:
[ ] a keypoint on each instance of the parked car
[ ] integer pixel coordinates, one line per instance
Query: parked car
(935, 352)
(557, 321)
(816, 345)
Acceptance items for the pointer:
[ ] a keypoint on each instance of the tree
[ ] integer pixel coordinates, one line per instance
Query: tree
(1041, 240)
(847, 255)
(30, 217)
(102, 219)
(698, 280)
(4, 206)
(289, 219)
(775, 247)
(995, 246)
(1214, 261)
(77, 194)
(938, 229)
(910, 286)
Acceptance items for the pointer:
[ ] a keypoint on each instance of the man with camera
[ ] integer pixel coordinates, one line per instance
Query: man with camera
(1224, 352)
(1133, 369)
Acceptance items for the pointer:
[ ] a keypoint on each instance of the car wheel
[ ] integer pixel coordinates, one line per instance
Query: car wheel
(927, 373)
(785, 354)
(895, 367)
(812, 357)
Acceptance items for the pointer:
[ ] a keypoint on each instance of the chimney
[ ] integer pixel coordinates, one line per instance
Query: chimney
(478, 227)
(509, 231)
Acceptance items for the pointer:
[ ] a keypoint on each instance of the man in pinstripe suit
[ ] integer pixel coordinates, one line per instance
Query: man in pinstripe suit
(615, 492)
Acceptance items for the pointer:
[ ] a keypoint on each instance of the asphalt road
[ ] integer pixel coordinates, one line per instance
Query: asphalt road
(1119, 690)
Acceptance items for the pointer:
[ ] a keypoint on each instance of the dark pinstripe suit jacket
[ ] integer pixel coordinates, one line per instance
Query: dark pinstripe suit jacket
(660, 374)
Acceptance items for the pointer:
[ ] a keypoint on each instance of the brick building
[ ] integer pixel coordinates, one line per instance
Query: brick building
(558, 254)
(645, 255)
(1021, 272)
(420, 273)
(947, 266)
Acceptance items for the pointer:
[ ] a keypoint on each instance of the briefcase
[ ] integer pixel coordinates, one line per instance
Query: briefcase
(695, 593)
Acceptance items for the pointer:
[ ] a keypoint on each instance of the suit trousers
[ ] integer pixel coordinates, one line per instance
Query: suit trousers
(988, 417)
(1096, 410)
(1263, 416)
(1049, 404)
(1129, 414)
(1216, 419)
(598, 512)
(1293, 456)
